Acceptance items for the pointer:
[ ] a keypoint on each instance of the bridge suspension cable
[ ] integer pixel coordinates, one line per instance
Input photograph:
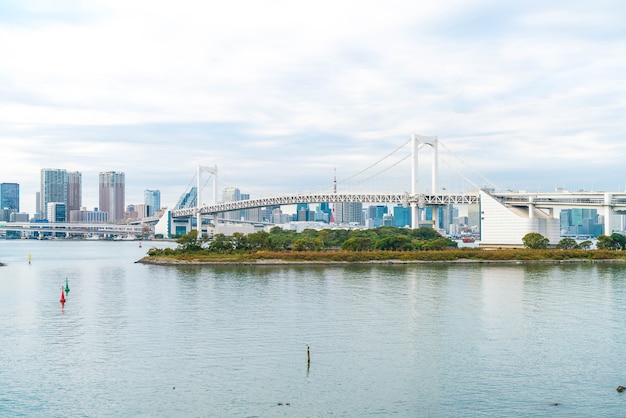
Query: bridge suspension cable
(487, 181)
(374, 164)
(347, 179)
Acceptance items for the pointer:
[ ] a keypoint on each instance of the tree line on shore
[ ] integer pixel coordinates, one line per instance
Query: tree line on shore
(613, 242)
(382, 244)
(384, 238)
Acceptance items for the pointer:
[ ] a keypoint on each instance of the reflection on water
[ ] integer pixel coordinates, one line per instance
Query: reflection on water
(405, 340)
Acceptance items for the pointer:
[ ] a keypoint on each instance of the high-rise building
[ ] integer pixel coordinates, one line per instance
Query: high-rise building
(401, 216)
(303, 214)
(188, 199)
(325, 208)
(53, 189)
(74, 191)
(232, 194)
(349, 213)
(152, 200)
(112, 187)
(10, 196)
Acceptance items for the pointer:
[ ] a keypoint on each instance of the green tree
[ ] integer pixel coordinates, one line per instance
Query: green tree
(619, 240)
(394, 243)
(220, 244)
(189, 241)
(425, 233)
(585, 245)
(240, 242)
(535, 241)
(307, 244)
(605, 242)
(440, 244)
(258, 240)
(567, 244)
(357, 244)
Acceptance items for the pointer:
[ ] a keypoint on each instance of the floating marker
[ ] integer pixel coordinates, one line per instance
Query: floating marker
(62, 300)
(67, 287)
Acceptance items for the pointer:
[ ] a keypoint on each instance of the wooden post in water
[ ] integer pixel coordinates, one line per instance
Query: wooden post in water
(308, 355)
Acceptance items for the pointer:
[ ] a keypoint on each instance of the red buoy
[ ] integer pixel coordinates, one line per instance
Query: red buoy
(62, 300)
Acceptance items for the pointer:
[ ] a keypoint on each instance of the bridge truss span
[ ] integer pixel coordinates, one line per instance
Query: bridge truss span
(405, 199)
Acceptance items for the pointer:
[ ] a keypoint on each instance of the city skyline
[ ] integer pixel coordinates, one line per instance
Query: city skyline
(278, 96)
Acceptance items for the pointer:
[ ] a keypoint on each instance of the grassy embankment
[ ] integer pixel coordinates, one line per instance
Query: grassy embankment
(450, 255)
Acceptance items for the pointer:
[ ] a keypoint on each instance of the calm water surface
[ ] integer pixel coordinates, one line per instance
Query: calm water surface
(407, 341)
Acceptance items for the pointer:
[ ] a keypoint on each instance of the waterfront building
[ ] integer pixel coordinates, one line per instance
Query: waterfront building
(135, 212)
(53, 189)
(74, 191)
(112, 188)
(152, 200)
(18, 217)
(56, 212)
(10, 197)
(88, 216)
(188, 199)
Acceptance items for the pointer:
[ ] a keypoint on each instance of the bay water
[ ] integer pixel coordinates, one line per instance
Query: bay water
(410, 340)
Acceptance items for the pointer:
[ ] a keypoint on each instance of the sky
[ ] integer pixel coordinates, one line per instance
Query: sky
(283, 96)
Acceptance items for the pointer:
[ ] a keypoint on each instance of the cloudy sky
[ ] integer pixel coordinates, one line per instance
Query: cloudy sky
(280, 94)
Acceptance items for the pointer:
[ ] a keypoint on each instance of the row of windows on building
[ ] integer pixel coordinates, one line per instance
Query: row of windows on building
(60, 199)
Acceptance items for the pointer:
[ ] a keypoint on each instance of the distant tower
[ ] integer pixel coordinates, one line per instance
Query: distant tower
(74, 191)
(10, 196)
(232, 194)
(349, 213)
(112, 187)
(53, 189)
(152, 200)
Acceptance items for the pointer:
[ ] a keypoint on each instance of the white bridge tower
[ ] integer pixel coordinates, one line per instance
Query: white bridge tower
(211, 171)
(418, 142)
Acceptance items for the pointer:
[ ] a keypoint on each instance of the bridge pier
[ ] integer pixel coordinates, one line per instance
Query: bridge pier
(612, 221)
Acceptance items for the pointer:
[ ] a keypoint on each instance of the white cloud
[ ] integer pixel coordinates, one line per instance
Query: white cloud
(278, 94)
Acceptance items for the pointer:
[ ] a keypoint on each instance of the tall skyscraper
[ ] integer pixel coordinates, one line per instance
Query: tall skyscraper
(74, 191)
(10, 196)
(53, 189)
(349, 213)
(112, 187)
(152, 200)
(188, 199)
(232, 194)
(401, 216)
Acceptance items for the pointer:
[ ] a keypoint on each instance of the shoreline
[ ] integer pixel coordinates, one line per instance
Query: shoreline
(165, 261)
